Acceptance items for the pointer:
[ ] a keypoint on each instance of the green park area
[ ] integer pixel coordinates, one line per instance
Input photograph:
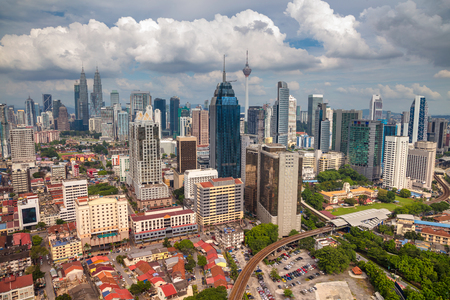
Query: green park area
(389, 206)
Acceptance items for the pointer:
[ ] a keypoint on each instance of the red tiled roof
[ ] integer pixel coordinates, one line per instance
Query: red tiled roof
(206, 184)
(155, 280)
(221, 179)
(168, 290)
(162, 215)
(68, 267)
(327, 214)
(13, 283)
(435, 232)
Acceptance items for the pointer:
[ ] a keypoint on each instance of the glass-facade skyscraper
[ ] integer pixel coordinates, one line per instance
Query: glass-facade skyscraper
(418, 120)
(313, 102)
(4, 131)
(96, 95)
(76, 95)
(161, 105)
(30, 112)
(82, 104)
(341, 120)
(47, 102)
(122, 126)
(224, 134)
(174, 125)
(322, 134)
(281, 107)
(114, 98)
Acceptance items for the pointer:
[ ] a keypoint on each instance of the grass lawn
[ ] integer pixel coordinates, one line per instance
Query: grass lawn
(389, 206)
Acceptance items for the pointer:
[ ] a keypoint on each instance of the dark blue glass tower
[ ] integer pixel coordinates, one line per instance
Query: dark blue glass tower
(161, 105)
(224, 134)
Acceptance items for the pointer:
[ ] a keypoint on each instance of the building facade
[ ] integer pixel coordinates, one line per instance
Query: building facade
(420, 168)
(139, 102)
(161, 105)
(72, 189)
(192, 177)
(200, 126)
(64, 249)
(21, 181)
(322, 129)
(83, 103)
(173, 113)
(122, 126)
(438, 133)
(114, 98)
(341, 120)
(395, 162)
(17, 288)
(229, 236)
(22, 147)
(281, 120)
(96, 95)
(418, 120)
(313, 102)
(375, 108)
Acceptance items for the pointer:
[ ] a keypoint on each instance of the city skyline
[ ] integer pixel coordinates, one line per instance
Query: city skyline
(373, 60)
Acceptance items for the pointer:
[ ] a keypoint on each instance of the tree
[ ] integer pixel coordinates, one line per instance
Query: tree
(102, 173)
(293, 232)
(166, 243)
(36, 175)
(109, 164)
(288, 293)
(333, 260)
(172, 155)
(391, 196)
(64, 297)
(185, 246)
(412, 235)
(261, 236)
(120, 259)
(37, 240)
(350, 201)
(440, 206)
(218, 293)
(201, 260)
(274, 274)
(60, 221)
(405, 193)
(11, 195)
(164, 155)
(41, 225)
(362, 199)
(307, 243)
(37, 251)
(383, 196)
(190, 263)
(140, 287)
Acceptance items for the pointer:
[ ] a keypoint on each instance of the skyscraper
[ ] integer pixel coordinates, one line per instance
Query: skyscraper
(11, 116)
(83, 106)
(47, 102)
(174, 125)
(63, 119)
(122, 126)
(313, 102)
(139, 102)
(255, 122)
(225, 140)
(23, 153)
(341, 120)
(21, 120)
(157, 118)
(420, 168)
(76, 96)
(200, 126)
(114, 98)
(292, 131)
(107, 115)
(247, 72)
(438, 134)
(365, 143)
(4, 131)
(322, 129)
(145, 175)
(186, 158)
(206, 104)
(395, 162)
(281, 114)
(418, 120)
(96, 95)
(405, 123)
(30, 112)
(376, 108)
(161, 105)
(56, 105)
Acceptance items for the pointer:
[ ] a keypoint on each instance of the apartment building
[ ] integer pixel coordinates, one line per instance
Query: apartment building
(58, 173)
(14, 253)
(21, 181)
(229, 236)
(72, 189)
(219, 200)
(436, 236)
(420, 168)
(23, 154)
(101, 220)
(17, 288)
(192, 177)
(161, 223)
(64, 249)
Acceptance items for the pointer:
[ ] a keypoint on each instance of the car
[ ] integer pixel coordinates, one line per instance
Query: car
(311, 277)
(317, 274)
(298, 282)
(279, 286)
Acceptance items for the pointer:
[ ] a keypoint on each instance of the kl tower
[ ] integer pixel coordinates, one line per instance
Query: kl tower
(247, 72)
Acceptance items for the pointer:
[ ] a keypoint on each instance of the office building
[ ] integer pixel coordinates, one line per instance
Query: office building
(62, 123)
(329, 161)
(438, 133)
(186, 158)
(273, 186)
(280, 120)
(161, 105)
(72, 189)
(268, 114)
(59, 173)
(83, 105)
(95, 124)
(200, 126)
(395, 162)
(28, 209)
(139, 102)
(256, 121)
(101, 220)
(376, 108)
(218, 201)
(145, 175)
(122, 126)
(96, 95)
(174, 124)
(192, 177)
(404, 123)
(21, 120)
(322, 129)
(21, 181)
(246, 140)
(161, 223)
(225, 141)
(37, 110)
(247, 71)
(107, 117)
(341, 120)
(30, 112)
(17, 288)
(313, 102)
(76, 96)
(11, 116)
(309, 164)
(292, 131)
(420, 168)
(114, 98)
(185, 126)
(4, 132)
(365, 143)
(46, 136)
(47, 103)
(418, 120)
(22, 147)
(157, 118)
(56, 105)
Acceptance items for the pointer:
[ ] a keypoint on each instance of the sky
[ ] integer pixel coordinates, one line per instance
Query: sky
(345, 50)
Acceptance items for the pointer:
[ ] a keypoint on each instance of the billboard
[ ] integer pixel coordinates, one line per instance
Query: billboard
(29, 216)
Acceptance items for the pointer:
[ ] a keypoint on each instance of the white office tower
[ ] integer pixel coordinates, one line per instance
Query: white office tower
(420, 169)
(395, 162)
(157, 114)
(376, 108)
(267, 121)
(192, 177)
(247, 72)
(23, 154)
(145, 175)
(292, 119)
(404, 123)
(185, 126)
(72, 189)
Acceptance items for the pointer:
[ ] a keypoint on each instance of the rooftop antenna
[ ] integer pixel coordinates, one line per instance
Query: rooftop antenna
(224, 75)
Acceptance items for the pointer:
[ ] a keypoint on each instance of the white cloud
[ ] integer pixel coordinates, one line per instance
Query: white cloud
(448, 94)
(399, 91)
(442, 74)
(327, 83)
(293, 86)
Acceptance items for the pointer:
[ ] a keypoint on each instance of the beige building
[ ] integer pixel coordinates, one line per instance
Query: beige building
(101, 220)
(21, 181)
(335, 197)
(64, 249)
(330, 161)
(17, 288)
(420, 169)
(404, 223)
(436, 236)
(58, 173)
(200, 126)
(23, 153)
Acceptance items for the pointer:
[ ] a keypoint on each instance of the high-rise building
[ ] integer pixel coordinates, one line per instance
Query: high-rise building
(122, 126)
(313, 102)
(30, 112)
(139, 102)
(96, 95)
(437, 133)
(292, 131)
(192, 177)
(331, 160)
(268, 116)
(404, 123)
(186, 158)
(185, 126)
(273, 186)
(418, 120)
(145, 175)
(200, 126)
(210, 210)
(47, 103)
(76, 96)
(21, 180)
(107, 116)
(206, 104)
(225, 140)
(174, 124)
(83, 105)
(114, 98)
(341, 120)
(255, 122)
(246, 140)
(376, 108)
(72, 190)
(395, 162)
(56, 105)
(247, 72)
(37, 110)
(298, 113)
(21, 120)
(161, 105)
(95, 124)
(11, 116)
(157, 118)
(45, 120)
(365, 143)
(322, 129)
(420, 168)
(62, 123)
(4, 131)
(280, 120)
(22, 147)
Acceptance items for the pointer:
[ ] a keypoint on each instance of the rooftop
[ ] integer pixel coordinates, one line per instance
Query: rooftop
(367, 218)
(443, 225)
(13, 283)
(162, 215)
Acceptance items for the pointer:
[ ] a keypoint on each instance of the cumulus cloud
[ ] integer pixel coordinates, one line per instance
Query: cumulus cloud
(293, 86)
(327, 83)
(399, 91)
(448, 94)
(164, 45)
(412, 29)
(442, 74)
(337, 33)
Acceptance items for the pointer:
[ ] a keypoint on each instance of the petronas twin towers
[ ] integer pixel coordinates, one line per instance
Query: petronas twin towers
(83, 108)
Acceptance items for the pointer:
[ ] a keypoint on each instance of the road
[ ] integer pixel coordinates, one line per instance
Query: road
(239, 287)
(119, 267)
(445, 193)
